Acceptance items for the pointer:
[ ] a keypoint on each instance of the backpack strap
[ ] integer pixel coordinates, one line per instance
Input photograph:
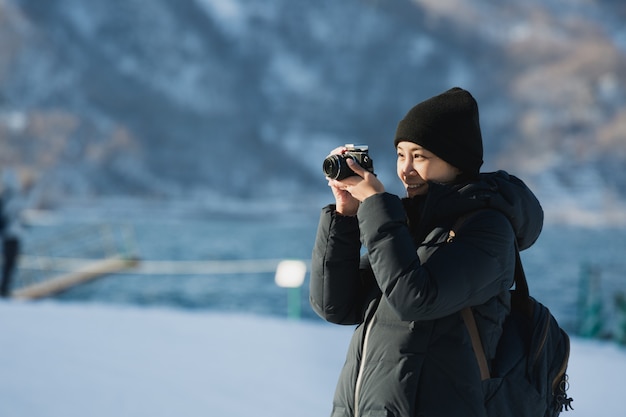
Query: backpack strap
(468, 314)
(477, 345)
(520, 297)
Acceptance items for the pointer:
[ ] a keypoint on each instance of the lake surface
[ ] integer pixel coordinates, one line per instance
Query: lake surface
(558, 267)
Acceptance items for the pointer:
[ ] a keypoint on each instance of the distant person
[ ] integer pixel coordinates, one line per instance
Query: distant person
(11, 226)
(411, 353)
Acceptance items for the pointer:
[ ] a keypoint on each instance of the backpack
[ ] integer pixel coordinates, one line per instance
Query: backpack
(528, 374)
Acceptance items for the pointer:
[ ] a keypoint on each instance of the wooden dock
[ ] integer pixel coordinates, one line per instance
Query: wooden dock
(86, 273)
(64, 273)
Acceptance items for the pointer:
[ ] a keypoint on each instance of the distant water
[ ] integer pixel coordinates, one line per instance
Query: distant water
(557, 266)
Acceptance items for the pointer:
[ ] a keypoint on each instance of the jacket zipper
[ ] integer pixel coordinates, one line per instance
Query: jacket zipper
(563, 367)
(357, 388)
(557, 379)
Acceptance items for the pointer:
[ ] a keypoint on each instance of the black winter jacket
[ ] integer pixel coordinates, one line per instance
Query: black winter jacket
(411, 354)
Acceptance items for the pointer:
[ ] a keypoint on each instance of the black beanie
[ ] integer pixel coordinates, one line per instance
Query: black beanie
(448, 126)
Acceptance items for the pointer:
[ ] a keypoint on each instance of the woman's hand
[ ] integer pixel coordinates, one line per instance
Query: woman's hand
(346, 205)
(350, 191)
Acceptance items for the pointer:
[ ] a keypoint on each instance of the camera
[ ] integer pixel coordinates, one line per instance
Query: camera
(335, 166)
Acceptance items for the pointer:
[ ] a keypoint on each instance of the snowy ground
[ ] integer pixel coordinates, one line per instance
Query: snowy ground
(66, 360)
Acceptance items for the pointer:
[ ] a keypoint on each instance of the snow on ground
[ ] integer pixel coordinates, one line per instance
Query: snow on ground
(67, 359)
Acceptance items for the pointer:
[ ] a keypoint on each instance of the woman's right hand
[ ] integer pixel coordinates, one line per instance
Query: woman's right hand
(346, 205)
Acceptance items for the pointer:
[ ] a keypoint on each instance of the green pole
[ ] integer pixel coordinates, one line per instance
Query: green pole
(620, 326)
(591, 321)
(293, 303)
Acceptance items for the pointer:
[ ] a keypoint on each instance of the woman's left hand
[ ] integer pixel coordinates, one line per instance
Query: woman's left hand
(360, 186)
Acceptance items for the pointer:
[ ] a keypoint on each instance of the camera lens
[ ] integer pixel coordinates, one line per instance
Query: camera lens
(335, 167)
(332, 166)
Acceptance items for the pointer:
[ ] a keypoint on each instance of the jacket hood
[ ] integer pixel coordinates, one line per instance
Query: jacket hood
(496, 190)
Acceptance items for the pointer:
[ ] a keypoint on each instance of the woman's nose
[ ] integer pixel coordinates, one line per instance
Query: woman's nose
(407, 169)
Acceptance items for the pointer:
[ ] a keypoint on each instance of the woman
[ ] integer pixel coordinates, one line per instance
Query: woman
(411, 354)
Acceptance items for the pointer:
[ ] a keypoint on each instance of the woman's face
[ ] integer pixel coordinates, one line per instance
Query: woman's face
(416, 166)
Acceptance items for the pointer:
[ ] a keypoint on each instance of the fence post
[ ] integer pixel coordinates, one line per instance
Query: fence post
(290, 274)
(590, 302)
(620, 322)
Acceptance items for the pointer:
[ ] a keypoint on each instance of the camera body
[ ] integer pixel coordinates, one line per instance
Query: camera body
(335, 166)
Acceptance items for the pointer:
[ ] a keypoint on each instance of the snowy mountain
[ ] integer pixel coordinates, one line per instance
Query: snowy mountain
(206, 98)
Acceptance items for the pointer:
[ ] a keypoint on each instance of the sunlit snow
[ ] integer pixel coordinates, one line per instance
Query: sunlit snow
(65, 360)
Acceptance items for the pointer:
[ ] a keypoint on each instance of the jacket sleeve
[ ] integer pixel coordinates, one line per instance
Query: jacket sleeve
(338, 285)
(476, 266)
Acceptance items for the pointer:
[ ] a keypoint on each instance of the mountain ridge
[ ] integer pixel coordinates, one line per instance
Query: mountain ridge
(240, 99)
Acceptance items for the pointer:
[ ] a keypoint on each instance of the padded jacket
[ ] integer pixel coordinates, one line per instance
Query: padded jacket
(411, 354)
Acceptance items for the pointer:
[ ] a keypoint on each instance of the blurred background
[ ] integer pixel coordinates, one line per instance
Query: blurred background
(195, 130)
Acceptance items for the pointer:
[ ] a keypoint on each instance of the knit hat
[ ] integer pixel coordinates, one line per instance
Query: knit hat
(448, 126)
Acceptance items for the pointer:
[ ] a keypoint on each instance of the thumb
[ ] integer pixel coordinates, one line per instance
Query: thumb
(356, 167)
